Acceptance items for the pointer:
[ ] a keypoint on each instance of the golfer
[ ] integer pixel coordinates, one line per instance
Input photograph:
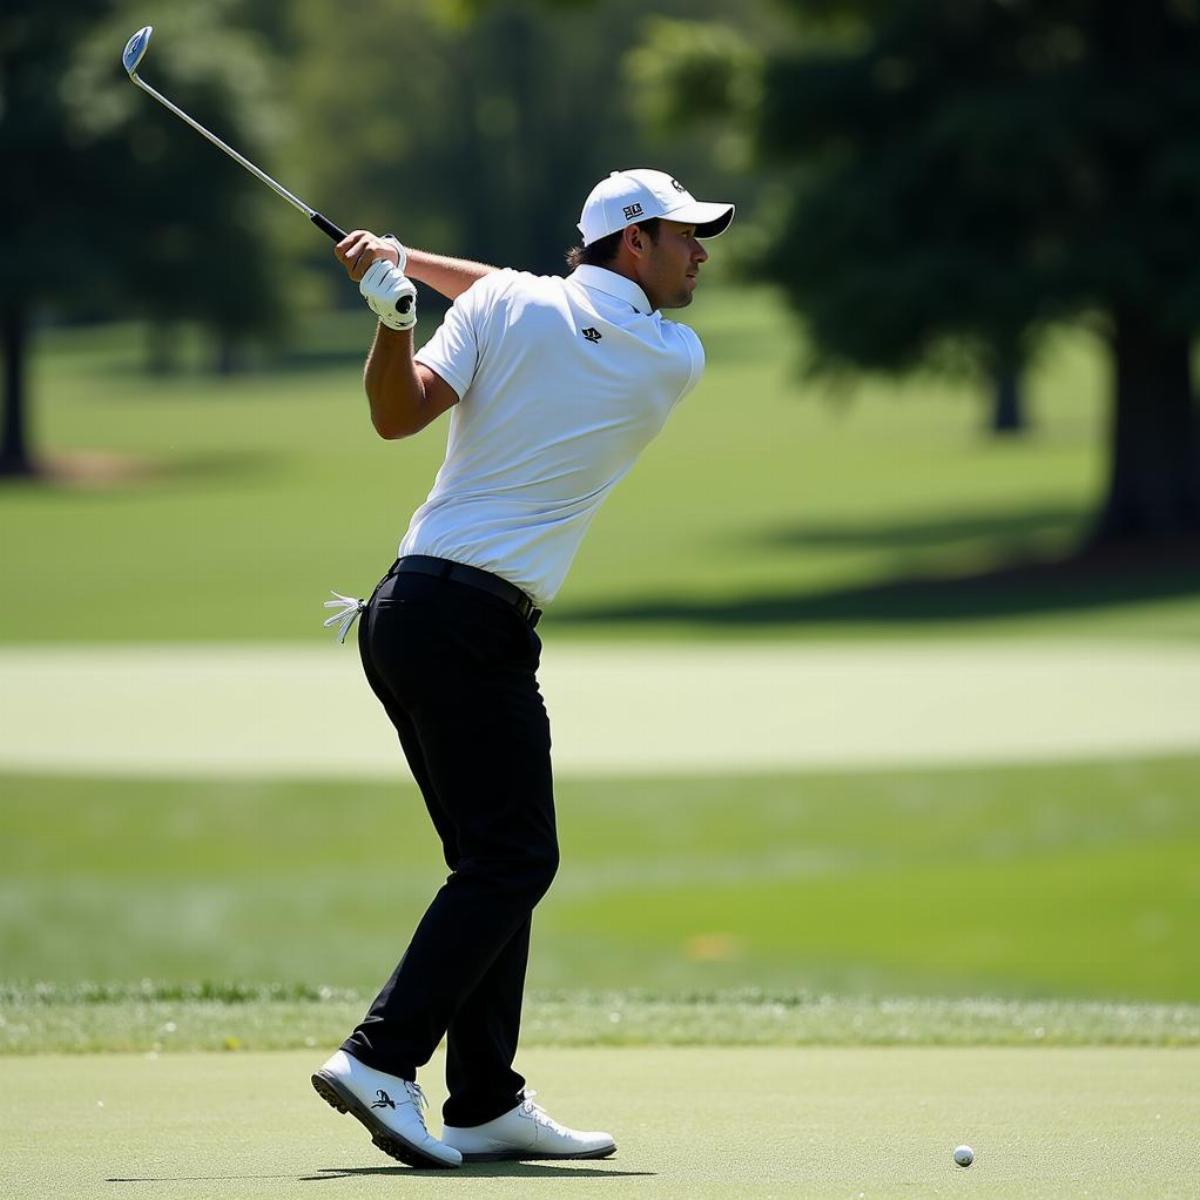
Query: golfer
(555, 385)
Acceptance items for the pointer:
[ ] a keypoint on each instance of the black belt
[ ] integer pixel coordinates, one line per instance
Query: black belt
(485, 581)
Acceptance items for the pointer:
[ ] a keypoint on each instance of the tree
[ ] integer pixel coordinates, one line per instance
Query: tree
(108, 201)
(475, 128)
(970, 170)
(1008, 403)
(39, 165)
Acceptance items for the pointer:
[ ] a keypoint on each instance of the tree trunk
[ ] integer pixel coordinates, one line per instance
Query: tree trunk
(162, 347)
(1154, 478)
(15, 458)
(1008, 407)
(227, 357)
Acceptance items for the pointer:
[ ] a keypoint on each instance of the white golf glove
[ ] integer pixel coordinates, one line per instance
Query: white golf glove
(401, 252)
(390, 295)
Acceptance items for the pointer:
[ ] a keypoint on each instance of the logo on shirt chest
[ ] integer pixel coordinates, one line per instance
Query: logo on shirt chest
(592, 335)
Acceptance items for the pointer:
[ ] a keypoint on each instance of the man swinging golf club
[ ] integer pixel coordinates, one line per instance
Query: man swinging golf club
(555, 385)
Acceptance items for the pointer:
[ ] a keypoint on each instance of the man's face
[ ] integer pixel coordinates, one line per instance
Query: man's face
(669, 269)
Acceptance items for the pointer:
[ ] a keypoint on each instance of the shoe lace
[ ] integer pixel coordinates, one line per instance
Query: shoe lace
(417, 1097)
(538, 1114)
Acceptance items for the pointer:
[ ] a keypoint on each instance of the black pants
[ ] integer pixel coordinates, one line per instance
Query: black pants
(455, 668)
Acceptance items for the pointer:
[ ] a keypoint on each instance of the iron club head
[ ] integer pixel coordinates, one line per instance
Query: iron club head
(135, 48)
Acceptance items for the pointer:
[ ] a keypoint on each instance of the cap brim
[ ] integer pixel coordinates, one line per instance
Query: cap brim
(709, 219)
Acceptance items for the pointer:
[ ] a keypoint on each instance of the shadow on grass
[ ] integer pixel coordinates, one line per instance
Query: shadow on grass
(498, 1170)
(318, 358)
(103, 471)
(183, 379)
(1081, 583)
(995, 528)
(222, 465)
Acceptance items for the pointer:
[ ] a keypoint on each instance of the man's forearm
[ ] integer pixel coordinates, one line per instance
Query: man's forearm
(394, 390)
(450, 276)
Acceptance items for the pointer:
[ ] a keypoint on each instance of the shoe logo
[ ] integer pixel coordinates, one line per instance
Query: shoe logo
(592, 335)
(384, 1101)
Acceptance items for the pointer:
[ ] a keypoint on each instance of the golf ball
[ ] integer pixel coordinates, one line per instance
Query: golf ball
(964, 1156)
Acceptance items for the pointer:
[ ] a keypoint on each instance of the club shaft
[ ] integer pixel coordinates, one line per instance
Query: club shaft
(323, 223)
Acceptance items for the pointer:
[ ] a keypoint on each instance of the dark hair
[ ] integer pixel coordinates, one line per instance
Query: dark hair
(602, 251)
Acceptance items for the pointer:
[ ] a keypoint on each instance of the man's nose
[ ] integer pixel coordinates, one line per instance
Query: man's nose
(699, 254)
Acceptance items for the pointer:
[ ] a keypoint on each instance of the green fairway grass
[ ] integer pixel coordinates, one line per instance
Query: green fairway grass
(1054, 881)
(152, 1017)
(770, 503)
(817, 1123)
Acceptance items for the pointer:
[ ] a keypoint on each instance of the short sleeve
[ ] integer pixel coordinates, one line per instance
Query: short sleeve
(695, 349)
(454, 350)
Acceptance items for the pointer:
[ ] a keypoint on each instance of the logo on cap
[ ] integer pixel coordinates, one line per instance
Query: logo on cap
(632, 210)
(592, 335)
(678, 186)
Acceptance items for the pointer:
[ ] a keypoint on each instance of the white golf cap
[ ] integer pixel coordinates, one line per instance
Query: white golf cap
(628, 197)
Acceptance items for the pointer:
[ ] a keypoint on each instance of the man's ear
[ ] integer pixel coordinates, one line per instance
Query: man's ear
(634, 238)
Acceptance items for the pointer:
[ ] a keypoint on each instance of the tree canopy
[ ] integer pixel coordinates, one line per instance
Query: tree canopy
(107, 205)
(975, 166)
(972, 169)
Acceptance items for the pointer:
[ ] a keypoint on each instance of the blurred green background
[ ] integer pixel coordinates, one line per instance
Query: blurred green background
(949, 396)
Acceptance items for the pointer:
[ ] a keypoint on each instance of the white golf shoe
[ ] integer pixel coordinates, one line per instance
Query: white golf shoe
(525, 1132)
(389, 1108)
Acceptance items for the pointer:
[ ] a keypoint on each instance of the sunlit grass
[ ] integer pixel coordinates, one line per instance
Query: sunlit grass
(244, 499)
(87, 1018)
(1075, 881)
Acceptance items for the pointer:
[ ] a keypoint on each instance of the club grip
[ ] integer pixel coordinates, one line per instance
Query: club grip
(326, 226)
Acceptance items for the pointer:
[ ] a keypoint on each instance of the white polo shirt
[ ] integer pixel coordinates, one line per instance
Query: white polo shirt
(561, 384)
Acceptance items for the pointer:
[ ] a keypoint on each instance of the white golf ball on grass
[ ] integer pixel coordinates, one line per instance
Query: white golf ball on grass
(964, 1156)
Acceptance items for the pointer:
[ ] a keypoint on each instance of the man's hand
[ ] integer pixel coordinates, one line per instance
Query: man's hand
(389, 295)
(358, 250)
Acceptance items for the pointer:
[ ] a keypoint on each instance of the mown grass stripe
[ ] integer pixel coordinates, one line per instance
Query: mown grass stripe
(153, 1017)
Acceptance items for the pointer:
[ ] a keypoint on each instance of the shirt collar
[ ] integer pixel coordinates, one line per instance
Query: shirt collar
(600, 279)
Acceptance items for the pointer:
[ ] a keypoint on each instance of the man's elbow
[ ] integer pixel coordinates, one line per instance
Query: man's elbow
(392, 423)
(393, 416)
(389, 429)
(392, 430)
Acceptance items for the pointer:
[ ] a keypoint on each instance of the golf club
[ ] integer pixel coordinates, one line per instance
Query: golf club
(135, 50)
